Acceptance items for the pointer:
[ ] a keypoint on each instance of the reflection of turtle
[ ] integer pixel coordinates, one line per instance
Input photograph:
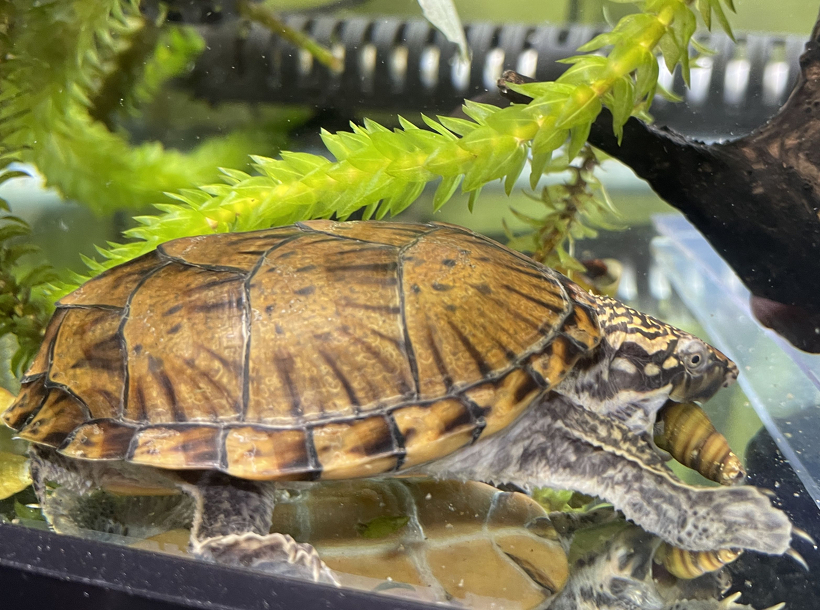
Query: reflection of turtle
(467, 543)
(412, 537)
(341, 350)
(623, 574)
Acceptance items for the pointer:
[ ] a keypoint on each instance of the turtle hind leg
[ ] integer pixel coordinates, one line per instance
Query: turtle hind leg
(76, 498)
(231, 526)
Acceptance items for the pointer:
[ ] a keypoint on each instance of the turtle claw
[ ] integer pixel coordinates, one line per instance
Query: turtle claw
(277, 554)
(804, 535)
(798, 558)
(729, 600)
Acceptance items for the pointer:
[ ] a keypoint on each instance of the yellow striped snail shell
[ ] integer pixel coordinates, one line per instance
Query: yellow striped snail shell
(688, 435)
(691, 564)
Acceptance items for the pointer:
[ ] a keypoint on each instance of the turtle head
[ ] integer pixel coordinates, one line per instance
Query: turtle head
(650, 362)
(699, 370)
(641, 364)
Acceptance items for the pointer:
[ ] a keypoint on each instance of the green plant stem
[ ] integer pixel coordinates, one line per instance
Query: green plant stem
(266, 16)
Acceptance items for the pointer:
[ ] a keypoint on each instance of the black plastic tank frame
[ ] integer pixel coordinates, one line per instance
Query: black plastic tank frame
(40, 569)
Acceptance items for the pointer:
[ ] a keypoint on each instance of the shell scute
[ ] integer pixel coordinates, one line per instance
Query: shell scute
(329, 309)
(433, 430)
(581, 327)
(28, 402)
(457, 288)
(103, 439)
(180, 447)
(262, 453)
(240, 251)
(551, 365)
(88, 359)
(397, 234)
(364, 447)
(59, 416)
(185, 341)
(503, 401)
(42, 359)
(113, 287)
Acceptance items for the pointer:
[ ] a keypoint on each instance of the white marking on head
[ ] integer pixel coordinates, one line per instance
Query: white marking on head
(651, 369)
(670, 362)
(624, 365)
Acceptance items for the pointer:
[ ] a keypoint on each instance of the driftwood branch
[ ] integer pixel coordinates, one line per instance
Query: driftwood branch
(756, 199)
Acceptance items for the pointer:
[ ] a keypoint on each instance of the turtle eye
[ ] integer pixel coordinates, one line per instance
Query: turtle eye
(695, 359)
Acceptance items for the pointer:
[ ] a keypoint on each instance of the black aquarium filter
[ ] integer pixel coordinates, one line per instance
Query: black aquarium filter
(405, 65)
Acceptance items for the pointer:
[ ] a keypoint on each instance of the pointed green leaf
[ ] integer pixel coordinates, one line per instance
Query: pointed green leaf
(518, 162)
(9, 175)
(372, 126)
(391, 145)
(459, 126)
(646, 75)
(583, 107)
(515, 122)
(334, 144)
(473, 198)
(449, 160)
(405, 124)
(600, 41)
(443, 15)
(705, 9)
(623, 101)
(670, 50)
(479, 112)
(13, 230)
(438, 127)
(539, 162)
(548, 140)
(398, 203)
(445, 190)
(721, 17)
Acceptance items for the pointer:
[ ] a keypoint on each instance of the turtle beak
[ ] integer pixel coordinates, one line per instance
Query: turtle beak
(731, 373)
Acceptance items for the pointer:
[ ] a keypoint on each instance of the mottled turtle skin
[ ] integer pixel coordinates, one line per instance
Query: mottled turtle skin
(328, 350)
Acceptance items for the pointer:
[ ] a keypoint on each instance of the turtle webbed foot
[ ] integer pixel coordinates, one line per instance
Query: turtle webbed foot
(275, 553)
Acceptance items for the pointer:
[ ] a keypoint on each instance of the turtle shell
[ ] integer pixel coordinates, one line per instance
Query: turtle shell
(321, 350)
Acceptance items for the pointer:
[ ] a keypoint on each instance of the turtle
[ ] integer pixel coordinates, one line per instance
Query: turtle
(327, 350)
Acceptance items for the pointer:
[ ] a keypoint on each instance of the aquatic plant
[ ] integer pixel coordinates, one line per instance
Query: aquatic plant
(25, 277)
(56, 98)
(49, 93)
(383, 171)
(573, 210)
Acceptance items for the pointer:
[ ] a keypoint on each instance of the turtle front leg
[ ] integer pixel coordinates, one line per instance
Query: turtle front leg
(231, 526)
(558, 444)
